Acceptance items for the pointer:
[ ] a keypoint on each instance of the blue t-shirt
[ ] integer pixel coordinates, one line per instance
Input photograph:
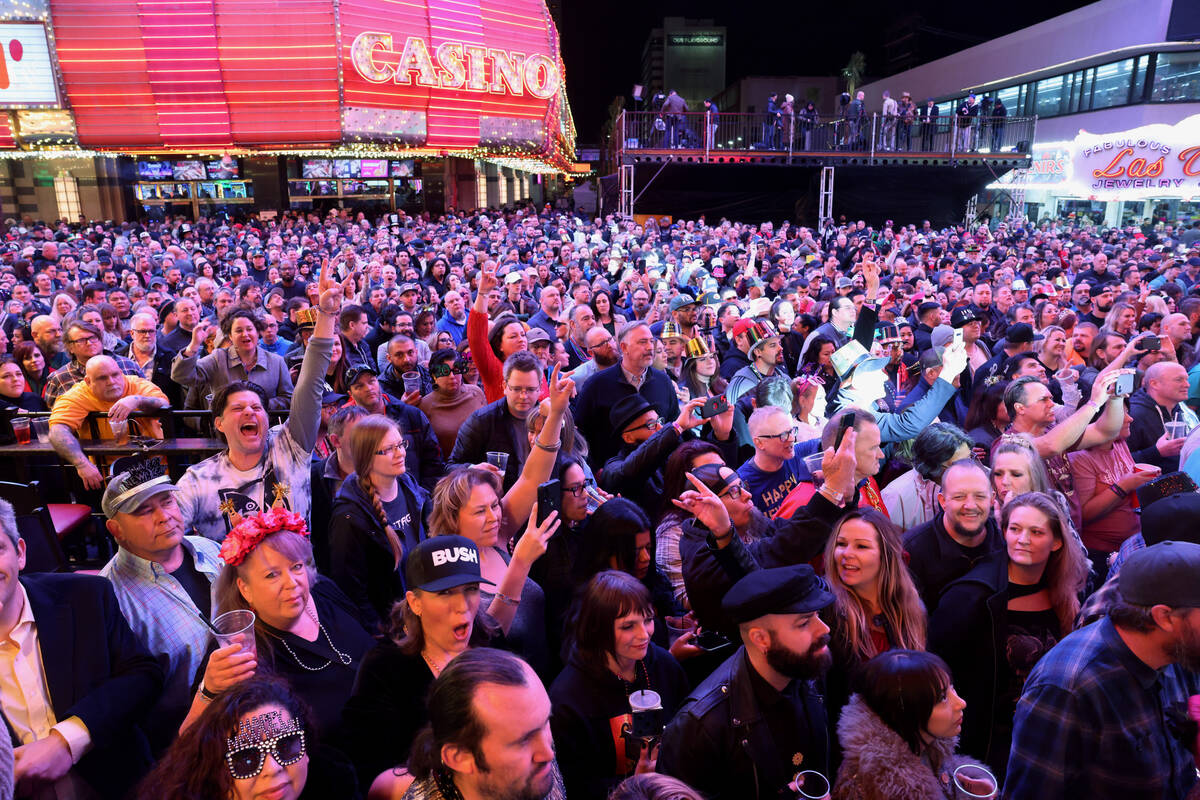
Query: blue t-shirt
(770, 488)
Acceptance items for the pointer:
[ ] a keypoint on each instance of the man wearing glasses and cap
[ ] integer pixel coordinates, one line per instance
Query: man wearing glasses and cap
(759, 718)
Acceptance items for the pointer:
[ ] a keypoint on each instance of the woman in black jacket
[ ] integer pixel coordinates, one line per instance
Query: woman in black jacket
(993, 624)
(378, 516)
(612, 656)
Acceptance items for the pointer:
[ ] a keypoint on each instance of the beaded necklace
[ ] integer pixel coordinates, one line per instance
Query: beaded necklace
(342, 657)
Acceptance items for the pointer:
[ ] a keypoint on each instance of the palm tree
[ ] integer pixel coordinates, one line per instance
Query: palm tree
(853, 71)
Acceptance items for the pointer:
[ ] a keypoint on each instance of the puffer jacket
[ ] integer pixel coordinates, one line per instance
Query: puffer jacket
(878, 765)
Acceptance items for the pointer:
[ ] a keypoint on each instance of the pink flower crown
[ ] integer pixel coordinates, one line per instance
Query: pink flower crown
(249, 533)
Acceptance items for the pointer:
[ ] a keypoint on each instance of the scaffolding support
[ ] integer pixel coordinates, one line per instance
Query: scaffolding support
(625, 177)
(825, 203)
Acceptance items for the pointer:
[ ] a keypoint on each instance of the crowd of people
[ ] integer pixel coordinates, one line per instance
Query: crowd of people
(514, 505)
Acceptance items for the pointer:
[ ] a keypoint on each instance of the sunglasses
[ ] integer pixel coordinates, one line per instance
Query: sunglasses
(446, 370)
(286, 748)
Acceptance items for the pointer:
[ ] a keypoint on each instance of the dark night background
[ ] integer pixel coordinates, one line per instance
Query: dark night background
(602, 41)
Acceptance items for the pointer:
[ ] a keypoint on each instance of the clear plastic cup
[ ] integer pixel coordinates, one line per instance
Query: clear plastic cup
(811, 785)
(498, 460)
(120, 430)
(974, 782)
(236, 627)
(678, 626)
(813, 462)
(20, 426)
(41, 429)
(1176, 429)
(412, 382)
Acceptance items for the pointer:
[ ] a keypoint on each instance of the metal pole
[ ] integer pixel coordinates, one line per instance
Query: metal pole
(791, 135)
(953, 135)
(708, 132)
(873, 138)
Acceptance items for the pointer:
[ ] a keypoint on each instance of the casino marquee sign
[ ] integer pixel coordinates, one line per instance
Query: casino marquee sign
(465, 77)
(453, 65)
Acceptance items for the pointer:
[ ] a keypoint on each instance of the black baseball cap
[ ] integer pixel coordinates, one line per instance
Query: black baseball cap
(356, 371)
(443, 562)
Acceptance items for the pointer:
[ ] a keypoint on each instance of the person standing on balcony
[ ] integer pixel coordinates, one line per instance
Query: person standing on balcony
(673, 109)
(999, 117)
(890, 110)
(967, 116)
(856, 112)
(907, 113)
(773, 122)
(928, 116)
(710, 124)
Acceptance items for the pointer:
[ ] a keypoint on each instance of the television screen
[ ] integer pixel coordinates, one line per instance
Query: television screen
(188, 171)
(345, 168)
(374, 168)
(316, 168)
(223, 169)
(154, 170)
(402, 169)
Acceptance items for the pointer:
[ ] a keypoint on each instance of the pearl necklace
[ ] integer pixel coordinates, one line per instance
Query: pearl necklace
(342, 657)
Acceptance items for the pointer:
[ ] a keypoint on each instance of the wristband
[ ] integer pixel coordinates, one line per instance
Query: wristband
(1119, 492)
(832, 495)
(205, 693)
(548, 448)
(503, 598)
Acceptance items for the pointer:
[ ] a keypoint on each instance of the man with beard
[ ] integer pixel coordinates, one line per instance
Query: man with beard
(1100, 714)
(961, 535)
(1102, 303)
(743, 731)
(488, 736)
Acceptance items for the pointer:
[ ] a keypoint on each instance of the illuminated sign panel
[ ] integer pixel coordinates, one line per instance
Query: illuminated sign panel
(26, 72)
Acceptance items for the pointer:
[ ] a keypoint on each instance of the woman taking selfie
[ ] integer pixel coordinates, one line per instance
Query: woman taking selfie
(493, 346)
(612, 656)
(900, 730)
(995, 623)
(468, 502)
(378, 516)
(305, 629)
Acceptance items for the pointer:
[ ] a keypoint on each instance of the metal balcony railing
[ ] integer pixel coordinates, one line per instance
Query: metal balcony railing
(730, 133)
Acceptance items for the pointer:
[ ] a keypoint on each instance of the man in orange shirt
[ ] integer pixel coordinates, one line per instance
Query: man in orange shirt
(104, 388)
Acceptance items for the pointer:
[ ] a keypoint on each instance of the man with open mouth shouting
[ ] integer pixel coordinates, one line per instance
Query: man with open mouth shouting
(263, 466)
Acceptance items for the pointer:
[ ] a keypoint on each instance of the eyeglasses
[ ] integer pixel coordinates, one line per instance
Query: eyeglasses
(446, 370)
(652, 425)
(579, 489)
(792, 434)
(595, 347)
(83, 340)
(734, 491)
(391, 448)
(144, 332)
(522, 389)
(286, 749)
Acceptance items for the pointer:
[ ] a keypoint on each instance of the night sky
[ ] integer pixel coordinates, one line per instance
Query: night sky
(602, 41)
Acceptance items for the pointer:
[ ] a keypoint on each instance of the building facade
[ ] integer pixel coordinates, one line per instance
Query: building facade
(127, 109)
(1122, 76)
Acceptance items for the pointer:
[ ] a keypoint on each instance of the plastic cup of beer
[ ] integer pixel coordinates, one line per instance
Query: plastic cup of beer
(120, 430)
(236, 627)
(412, 382)
(811, 785)
(20, 426)
(975, 782)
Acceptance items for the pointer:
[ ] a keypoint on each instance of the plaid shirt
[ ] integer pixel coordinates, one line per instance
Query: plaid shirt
(64, 378)
(170, 627)
(1091, 724)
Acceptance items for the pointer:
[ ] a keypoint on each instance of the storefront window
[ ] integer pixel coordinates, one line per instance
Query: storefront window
(1112, 84)
(1010, 97)
(1050, 96)
(1176, 77)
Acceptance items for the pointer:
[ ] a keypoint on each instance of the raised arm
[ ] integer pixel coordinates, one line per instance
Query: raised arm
(304, 421)
(518, 501)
